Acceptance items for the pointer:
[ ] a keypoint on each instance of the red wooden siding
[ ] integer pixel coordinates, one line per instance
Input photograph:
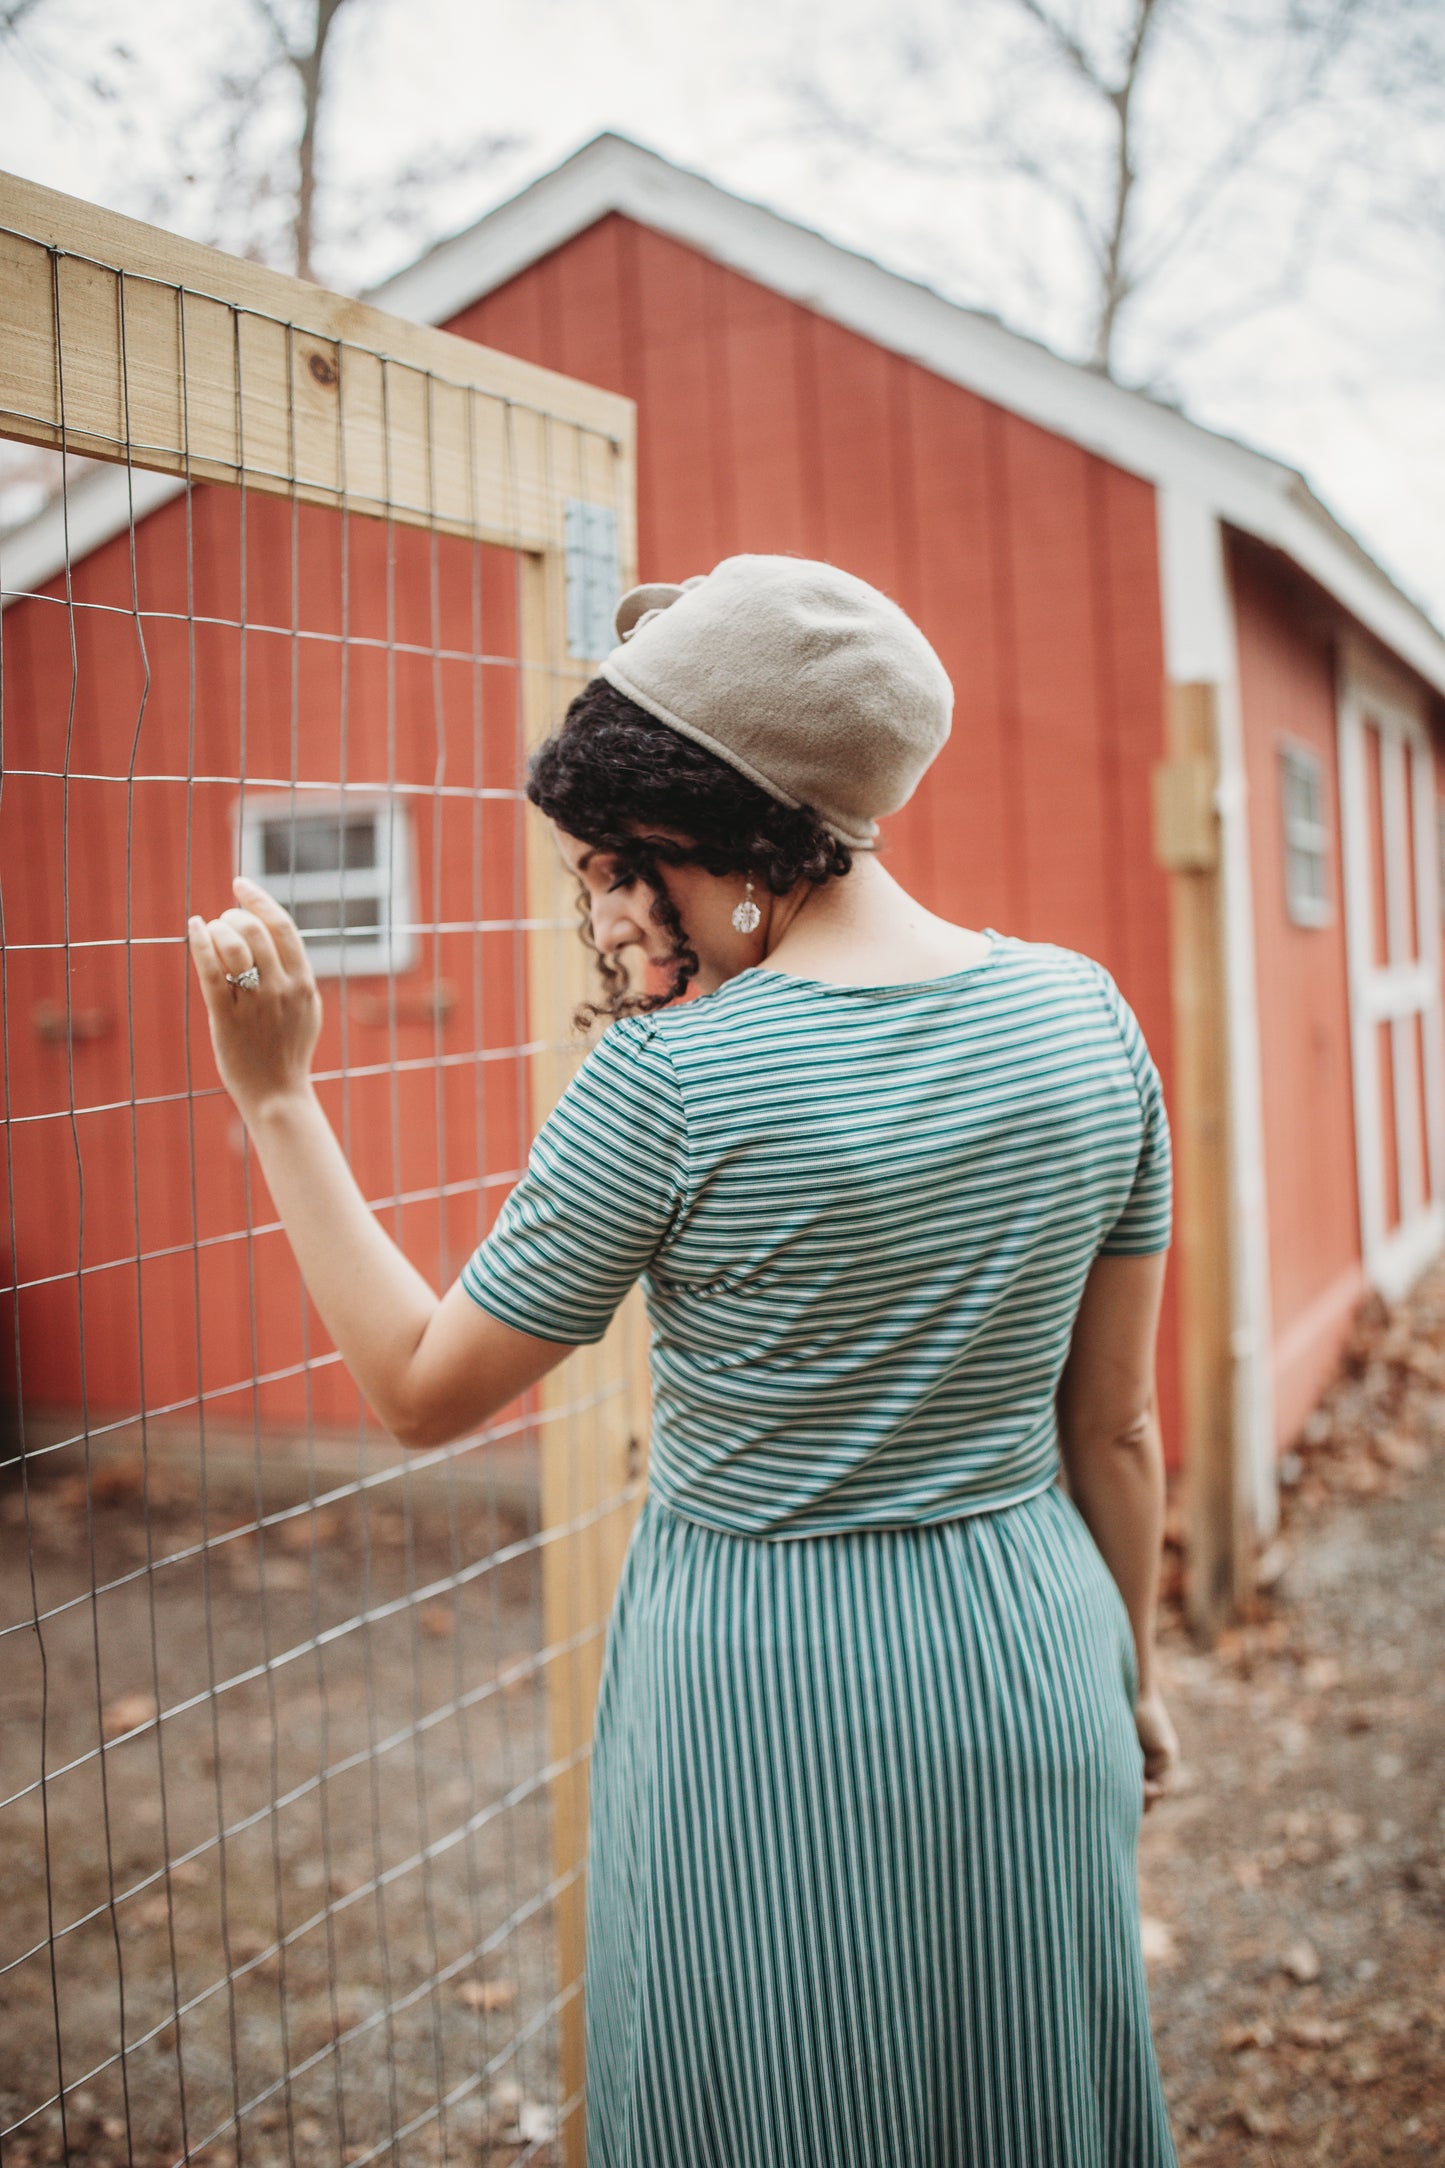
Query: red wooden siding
(1287, 693)
(1031, 564)
(138, 1287)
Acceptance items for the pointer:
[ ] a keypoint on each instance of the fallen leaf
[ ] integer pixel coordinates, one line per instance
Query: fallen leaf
(285, 1574)
(309, 1530)
(128, 1712)
(487, 1994)
(1399, 1451)
(1271, 1563)
(1258, 2120)
(1365, 1478)
(1316, 2032)
(1158, 1941)
(118, 1483)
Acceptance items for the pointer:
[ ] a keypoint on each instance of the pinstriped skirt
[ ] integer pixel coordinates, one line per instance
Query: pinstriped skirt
(862, 1853)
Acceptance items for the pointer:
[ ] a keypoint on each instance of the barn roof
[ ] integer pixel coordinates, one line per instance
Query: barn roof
(1260, 495)
(1263, 496)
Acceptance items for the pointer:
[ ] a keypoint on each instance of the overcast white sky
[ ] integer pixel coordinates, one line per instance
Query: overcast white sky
(1348, 387)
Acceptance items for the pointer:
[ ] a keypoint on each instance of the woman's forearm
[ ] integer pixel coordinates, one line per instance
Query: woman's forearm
(372, 1300)
(1117, 1483)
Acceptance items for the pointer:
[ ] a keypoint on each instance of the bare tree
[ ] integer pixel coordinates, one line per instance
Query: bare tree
(1179, 117)
(245, 167)
(68, 74)
(306, 60)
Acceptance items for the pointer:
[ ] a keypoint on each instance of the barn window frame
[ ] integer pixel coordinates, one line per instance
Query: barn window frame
(383, 878)
(1307, 839)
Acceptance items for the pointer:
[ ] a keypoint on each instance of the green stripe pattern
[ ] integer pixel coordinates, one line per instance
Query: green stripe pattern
(862, 1854)
(864, 1819)
(861, 1217)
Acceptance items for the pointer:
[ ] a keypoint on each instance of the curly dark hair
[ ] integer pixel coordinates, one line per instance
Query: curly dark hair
(610, 771)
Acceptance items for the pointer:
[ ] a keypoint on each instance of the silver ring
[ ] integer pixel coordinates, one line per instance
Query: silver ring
(250, 977)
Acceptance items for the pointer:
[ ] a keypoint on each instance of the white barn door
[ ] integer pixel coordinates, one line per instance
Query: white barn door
(1392, 932)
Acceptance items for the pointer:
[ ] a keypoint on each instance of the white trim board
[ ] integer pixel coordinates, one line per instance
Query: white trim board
(1200, 645)
(1400, 990)
(1245, 488)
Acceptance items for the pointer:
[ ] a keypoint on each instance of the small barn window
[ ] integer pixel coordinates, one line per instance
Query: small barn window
(344, 872)
(1306, 838)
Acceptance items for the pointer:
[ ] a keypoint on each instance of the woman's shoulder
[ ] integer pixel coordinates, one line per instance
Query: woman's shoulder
(1068, 966)
(779, 1007)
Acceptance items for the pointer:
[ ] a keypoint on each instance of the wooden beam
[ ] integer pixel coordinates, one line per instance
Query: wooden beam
(125, 343)
(593, 1412)
(1218, 1552)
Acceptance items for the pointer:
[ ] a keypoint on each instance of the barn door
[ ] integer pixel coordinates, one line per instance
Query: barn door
(1392, 923)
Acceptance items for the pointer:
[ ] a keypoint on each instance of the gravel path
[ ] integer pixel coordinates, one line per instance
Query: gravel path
(1293, 1888)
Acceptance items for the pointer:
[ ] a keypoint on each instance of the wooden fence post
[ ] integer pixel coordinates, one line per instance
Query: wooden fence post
(1188, 845)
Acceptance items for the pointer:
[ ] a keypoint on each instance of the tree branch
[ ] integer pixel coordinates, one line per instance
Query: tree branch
(1117, 283)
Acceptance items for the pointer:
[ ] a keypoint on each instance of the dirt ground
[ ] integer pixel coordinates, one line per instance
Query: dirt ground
(1294, 1885)
(385, 1934)
(349, 1781)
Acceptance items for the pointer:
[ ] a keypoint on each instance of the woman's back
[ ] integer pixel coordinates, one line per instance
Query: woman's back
(863, 1217)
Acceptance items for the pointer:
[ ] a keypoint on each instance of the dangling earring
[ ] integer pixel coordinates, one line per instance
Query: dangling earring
(746, 914)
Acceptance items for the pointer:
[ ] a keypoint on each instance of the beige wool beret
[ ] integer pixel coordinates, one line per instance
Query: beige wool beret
(804, 677)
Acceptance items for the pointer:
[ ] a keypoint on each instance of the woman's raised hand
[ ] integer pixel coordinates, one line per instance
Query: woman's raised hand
(263, 1036)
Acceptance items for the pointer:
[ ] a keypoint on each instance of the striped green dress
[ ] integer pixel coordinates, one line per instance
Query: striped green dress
(866, 1789)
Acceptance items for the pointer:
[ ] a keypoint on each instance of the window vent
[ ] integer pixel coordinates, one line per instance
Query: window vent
(343, 869)
(1306, 838)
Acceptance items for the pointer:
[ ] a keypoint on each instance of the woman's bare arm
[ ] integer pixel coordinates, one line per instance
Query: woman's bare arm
(1113, 1456)
(429, 1367)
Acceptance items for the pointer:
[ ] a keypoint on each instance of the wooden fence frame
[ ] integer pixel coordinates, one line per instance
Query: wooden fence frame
(125, 343)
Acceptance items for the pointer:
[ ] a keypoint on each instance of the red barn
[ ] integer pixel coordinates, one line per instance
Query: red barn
(1199, 733)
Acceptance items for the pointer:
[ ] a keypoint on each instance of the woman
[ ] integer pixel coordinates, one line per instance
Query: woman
(877, 1717)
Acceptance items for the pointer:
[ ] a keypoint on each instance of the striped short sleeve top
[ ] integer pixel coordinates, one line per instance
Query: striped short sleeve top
(862, 1217)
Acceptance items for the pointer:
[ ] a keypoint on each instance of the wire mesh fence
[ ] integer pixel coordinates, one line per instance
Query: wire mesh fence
(293, 1796)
